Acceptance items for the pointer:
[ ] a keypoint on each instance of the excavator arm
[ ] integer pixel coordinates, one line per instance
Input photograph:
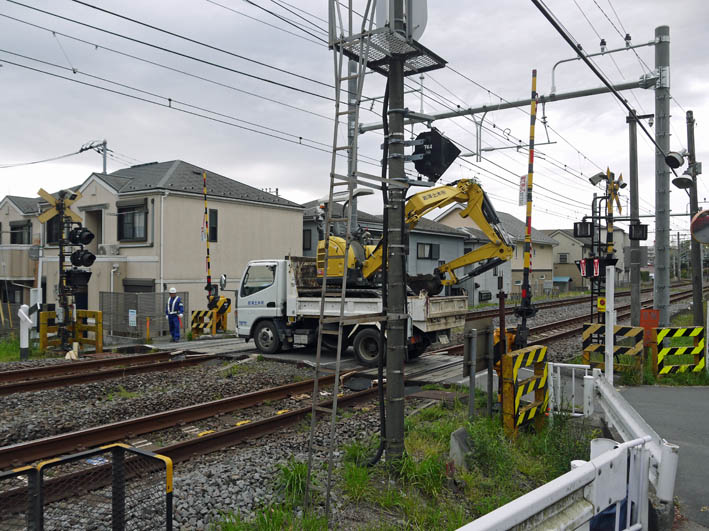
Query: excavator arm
(479, 209)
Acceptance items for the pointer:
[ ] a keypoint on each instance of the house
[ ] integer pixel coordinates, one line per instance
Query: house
(148, 223)
(430, 244)
(542, 268)
(569, 250)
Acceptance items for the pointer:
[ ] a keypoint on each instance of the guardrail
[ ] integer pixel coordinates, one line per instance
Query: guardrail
(630, 425)
(557, 404)
(615, 479)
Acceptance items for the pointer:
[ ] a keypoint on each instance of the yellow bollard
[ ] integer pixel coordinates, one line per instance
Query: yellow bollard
(147, 329)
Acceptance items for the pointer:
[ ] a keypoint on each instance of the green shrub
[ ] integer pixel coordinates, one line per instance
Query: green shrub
(291, 480)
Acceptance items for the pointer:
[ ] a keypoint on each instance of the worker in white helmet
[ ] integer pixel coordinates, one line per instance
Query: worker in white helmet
(174, 313)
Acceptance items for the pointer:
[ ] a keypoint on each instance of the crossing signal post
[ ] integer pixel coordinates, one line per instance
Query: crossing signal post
(433, 154)
(72, 239)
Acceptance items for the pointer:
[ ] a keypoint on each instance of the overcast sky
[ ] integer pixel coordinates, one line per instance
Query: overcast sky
(494, 43)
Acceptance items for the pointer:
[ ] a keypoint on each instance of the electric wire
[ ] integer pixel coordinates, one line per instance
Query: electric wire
(284, 19)
(50, 159)
(301, 17)
(166, 67)
(200, 43)
(174, 52)
(266, 23)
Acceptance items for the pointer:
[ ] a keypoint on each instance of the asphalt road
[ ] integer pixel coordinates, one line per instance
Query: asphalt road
(681, 415)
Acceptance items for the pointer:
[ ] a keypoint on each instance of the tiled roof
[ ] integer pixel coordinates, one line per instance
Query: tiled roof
(28, 205)
(424, 225)
(182, 176)
(516, 229)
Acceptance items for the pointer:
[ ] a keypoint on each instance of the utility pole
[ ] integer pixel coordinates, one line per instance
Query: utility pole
(104, 146)
(694, 170)
(634, 213)
(662, 174)
(396, 308)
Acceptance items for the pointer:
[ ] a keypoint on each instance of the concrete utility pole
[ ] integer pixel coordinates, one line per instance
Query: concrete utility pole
(104, 146)
(396, 285)
(634, 213)
(697, 303)
(662, 174)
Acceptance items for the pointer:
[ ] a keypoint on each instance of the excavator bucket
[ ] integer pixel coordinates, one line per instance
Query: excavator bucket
(431, 284)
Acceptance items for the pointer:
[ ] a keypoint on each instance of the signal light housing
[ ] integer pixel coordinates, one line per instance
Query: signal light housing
(81, 236)
(82, 258)
(433, 154)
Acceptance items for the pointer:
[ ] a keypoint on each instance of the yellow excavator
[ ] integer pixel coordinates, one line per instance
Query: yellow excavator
(364, 259)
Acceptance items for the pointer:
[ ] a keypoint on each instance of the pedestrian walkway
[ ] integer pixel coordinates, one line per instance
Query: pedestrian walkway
(681, 415)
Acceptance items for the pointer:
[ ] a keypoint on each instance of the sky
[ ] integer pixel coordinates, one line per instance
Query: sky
(268, 90)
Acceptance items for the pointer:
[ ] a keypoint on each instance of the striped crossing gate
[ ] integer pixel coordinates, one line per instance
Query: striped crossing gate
(201, 320)
(514, 412)
(667, 355)
(593, 339)
(221, 305)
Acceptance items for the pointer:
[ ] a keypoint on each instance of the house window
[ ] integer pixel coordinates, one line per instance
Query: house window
(428, 251)
(467, 250)
(542, 277)
(53, 229)
(20, 232)
(518, 282)
(132, 221)
(494, 271)
(0, 233)
(563, 258)
(307, 239)
(213, 223)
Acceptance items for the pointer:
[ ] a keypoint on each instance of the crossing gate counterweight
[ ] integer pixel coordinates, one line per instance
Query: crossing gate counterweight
(666, 357)
(514, 413)
(593, 341)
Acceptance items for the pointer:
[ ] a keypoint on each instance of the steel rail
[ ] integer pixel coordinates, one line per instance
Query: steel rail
(26, 452)
(86, 377)
(79, 366)
(64, 486)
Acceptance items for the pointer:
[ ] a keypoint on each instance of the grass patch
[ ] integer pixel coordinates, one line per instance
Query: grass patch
(273, 518)
(122, 392)
(10, 349)
(291, 480)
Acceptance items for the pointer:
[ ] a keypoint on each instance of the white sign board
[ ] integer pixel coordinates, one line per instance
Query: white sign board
(132, 318)
(523, 190)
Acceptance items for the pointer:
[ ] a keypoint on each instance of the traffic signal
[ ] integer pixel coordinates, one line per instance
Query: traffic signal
(81, 236)
(82, 258)
(433, 154)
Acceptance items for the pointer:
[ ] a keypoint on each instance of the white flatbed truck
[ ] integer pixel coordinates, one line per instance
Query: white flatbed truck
(278, 305)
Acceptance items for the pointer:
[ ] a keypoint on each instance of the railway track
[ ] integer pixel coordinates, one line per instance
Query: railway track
(52, 376)
(25, 452)
(481, 314)
(568, 327)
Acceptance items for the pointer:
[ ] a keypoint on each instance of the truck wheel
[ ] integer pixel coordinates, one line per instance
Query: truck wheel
(266, 337)
(366, 346)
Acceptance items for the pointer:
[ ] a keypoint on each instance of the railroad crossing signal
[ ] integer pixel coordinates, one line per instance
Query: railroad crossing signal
(69, 198)
(601, 304)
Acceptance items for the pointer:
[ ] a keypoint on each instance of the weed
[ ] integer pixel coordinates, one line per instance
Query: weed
(272, 518)
(492, 449)
(427, 475)
(189, 335)
(122, 392)
(358, 452)
(260, 357)
(10, 349)
(291, 480)
(355, 481)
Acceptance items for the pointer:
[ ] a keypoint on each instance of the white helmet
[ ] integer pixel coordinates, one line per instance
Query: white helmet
(173, 290)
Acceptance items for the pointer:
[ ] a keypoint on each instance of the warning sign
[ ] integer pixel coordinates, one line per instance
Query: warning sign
(601, 304)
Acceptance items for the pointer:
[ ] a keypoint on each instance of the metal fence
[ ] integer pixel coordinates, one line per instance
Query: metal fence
(114, 487)
(139, 315)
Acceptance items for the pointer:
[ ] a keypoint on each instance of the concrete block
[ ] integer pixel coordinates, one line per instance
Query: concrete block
(461, 447)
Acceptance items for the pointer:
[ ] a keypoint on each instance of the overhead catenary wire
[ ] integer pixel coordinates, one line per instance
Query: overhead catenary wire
(283, 136)
(97, 46)
(174, 52)
(284, 19)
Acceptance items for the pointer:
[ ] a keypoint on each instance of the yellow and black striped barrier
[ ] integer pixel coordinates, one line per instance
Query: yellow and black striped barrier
(514, 414)
(593, 342)
(663, 357)
(212, 320)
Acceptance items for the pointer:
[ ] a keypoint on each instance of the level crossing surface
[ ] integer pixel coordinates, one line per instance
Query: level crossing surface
(681, 415)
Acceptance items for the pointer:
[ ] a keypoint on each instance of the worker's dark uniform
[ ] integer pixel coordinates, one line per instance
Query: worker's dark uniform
(173, 311)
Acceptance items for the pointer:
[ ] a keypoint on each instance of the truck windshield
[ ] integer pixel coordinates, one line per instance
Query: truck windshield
(257, 277)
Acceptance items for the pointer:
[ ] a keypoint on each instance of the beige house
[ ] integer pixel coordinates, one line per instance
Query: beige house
(569, 250)
(542, 260)
(148, 222)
